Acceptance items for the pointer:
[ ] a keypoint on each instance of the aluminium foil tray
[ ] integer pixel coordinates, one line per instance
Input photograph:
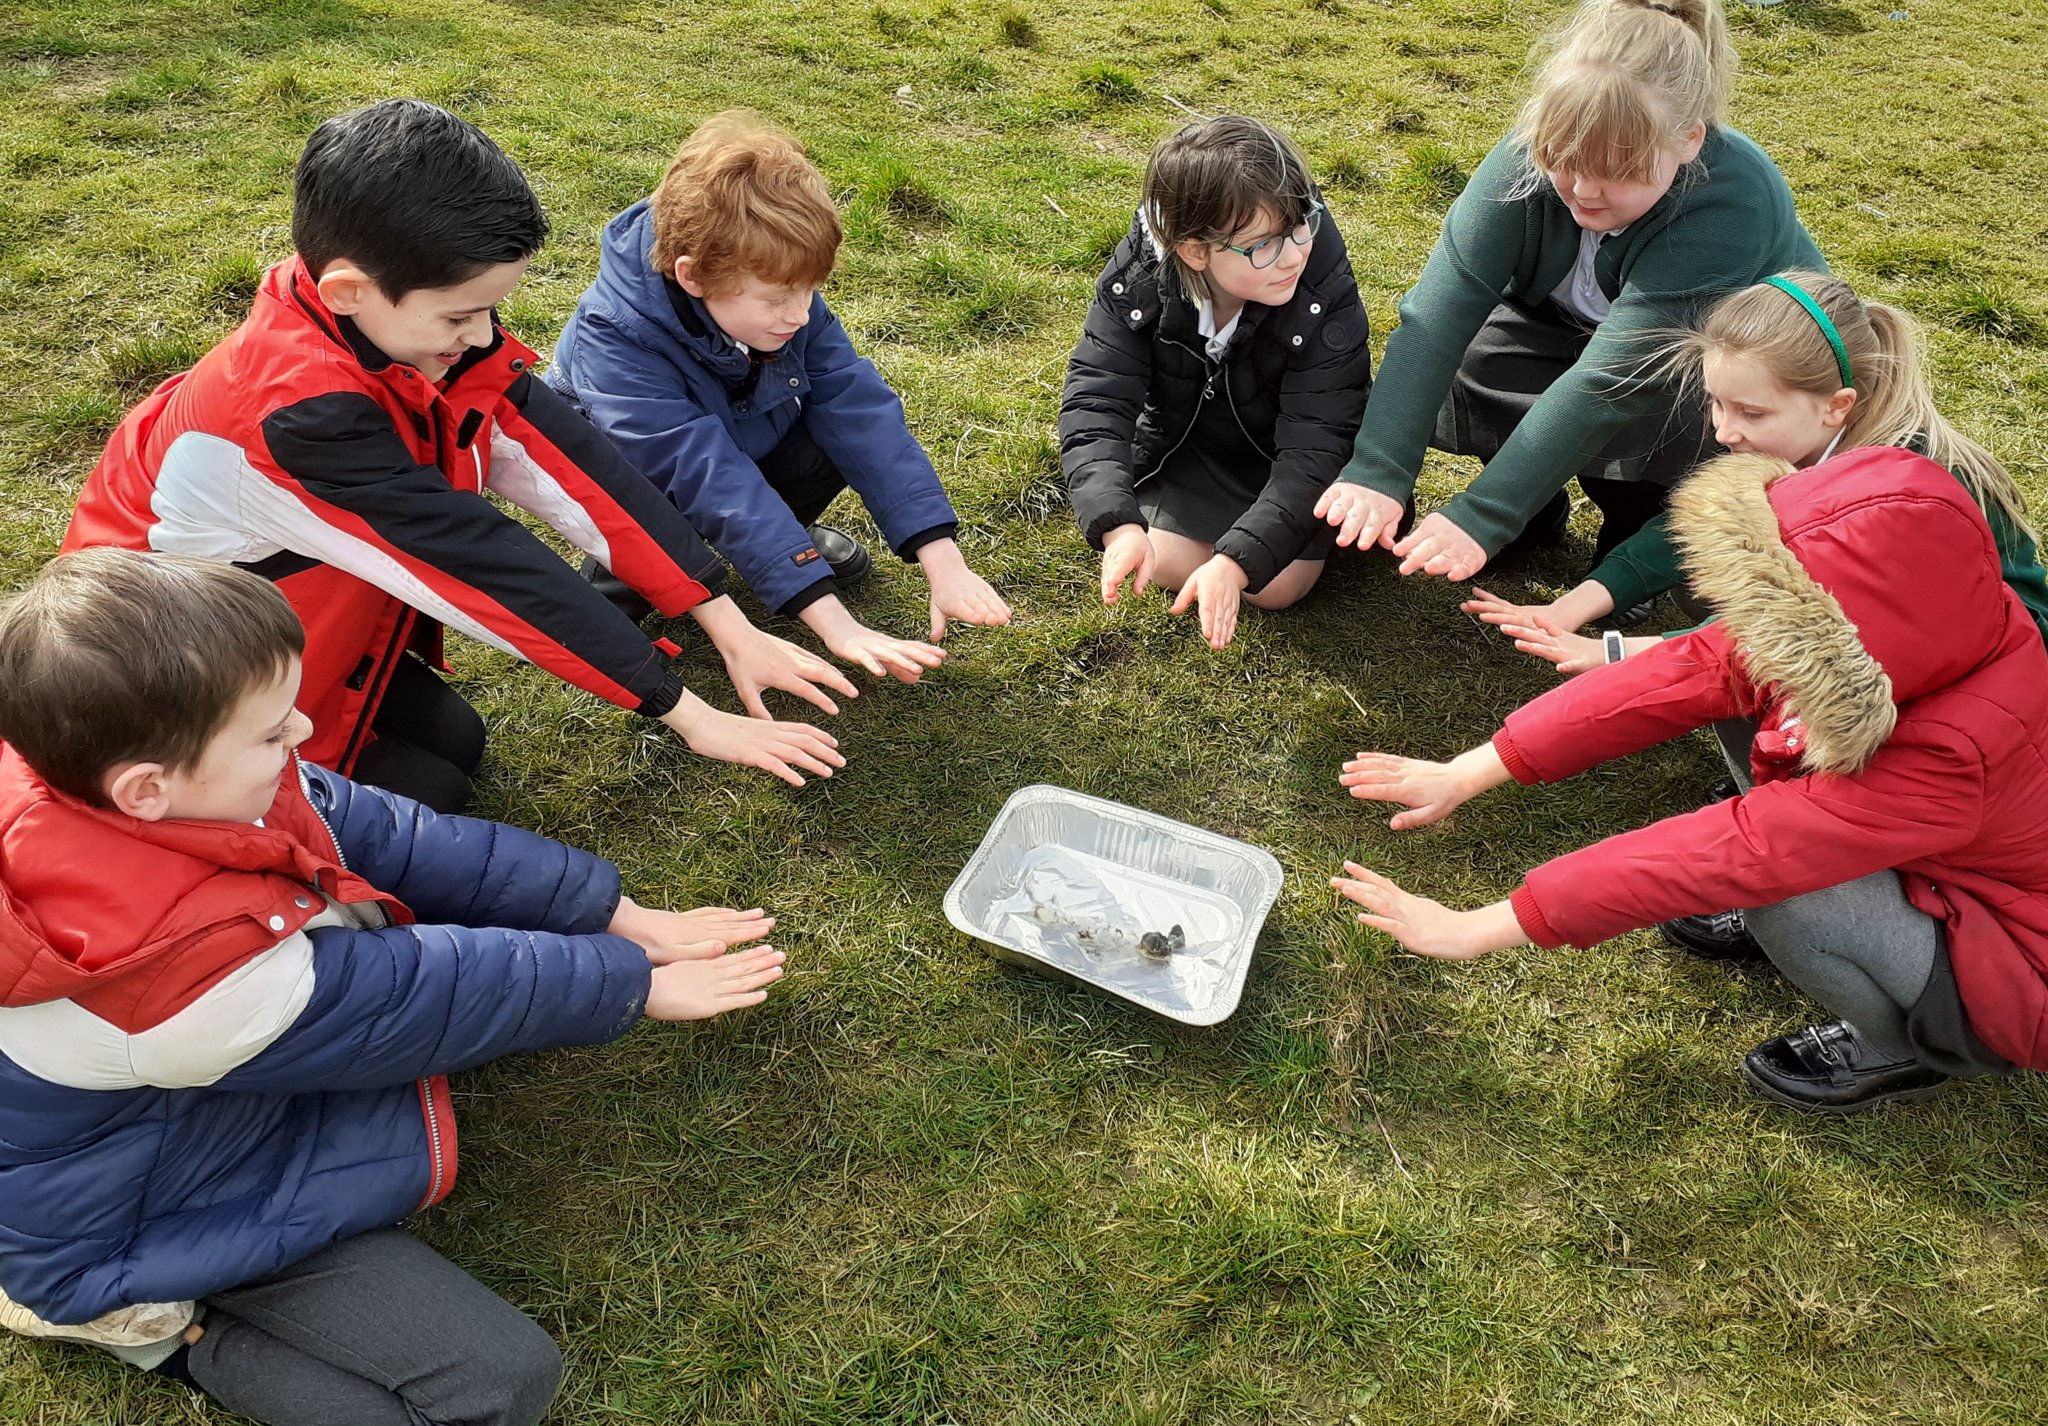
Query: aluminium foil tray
(1064, 884)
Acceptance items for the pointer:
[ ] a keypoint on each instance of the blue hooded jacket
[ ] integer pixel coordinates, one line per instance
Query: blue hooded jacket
(298, 1101)
(663, 388)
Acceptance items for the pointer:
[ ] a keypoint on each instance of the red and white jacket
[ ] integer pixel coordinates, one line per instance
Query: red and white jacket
(298, 450)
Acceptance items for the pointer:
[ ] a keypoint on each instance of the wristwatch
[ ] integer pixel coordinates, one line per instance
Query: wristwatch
(1611, 641)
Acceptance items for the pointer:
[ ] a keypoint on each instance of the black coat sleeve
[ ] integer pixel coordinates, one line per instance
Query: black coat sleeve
(1107, 379)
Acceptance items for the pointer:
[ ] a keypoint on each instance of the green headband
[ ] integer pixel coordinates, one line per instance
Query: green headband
(1827, 328)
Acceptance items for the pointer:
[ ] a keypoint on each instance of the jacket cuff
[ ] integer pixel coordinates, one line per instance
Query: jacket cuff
(1511, 758)
(945, 530)
(1623, 582)
(1534, 924)
(822, 588)
(1252, 557)
(663, 701)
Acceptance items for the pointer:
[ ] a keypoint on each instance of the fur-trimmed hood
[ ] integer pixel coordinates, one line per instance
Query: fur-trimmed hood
(1848, 589)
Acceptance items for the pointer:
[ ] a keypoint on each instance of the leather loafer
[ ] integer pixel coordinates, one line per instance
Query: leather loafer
(1830, 1069)
(1720, 936)
(850, 561)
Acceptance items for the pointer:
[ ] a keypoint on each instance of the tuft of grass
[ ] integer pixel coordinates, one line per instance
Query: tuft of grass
(1108, 83)
(1349, 166)
(1434, 174)
(139, 363)
(971, 72)
(982, 300)
(279, 85)
(893, 25)
(1990, 310)
(77, 420)
(1017, 30)
(1911, 256)
(227, 284)
(904, 195)
(159, 84)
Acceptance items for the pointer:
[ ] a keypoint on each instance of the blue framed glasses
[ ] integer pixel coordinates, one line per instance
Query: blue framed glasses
(1266, 251)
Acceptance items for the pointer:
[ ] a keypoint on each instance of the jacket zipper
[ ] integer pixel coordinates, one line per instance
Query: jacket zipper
(1208, 390)
(306, 788)
(437, 1173)
(437, 1157)
(1231, 399)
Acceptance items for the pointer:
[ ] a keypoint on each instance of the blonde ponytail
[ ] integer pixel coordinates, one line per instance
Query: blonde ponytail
(1624, 82)
(1897, 409)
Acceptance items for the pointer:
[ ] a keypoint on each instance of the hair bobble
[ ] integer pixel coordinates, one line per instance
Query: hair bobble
(1658, 5)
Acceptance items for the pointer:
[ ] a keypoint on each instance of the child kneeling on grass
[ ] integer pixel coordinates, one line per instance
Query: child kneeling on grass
(1894, 845)
(706, 352)
(1219, 379)
(231, 987)
(341, 442)
(1620, 204)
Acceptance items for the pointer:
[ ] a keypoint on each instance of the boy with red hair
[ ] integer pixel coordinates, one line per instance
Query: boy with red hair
(706, 353)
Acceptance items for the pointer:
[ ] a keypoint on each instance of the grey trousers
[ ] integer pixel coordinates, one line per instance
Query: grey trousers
(379, 1330)
(1868, 955)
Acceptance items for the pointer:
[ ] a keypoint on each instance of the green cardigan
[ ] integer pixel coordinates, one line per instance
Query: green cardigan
(1726, 223)
(1645, 565)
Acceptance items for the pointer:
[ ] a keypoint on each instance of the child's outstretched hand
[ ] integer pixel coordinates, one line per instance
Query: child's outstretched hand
(1430, 791)
(780, 748)
(687, 935)
(1217, 586)
(1363, 516)
(957, 591)
(1428, 928)
(1127, 553)
(700, 989)
(1491, 609)
(757, 661)
(1539, 634)
(1436, 546)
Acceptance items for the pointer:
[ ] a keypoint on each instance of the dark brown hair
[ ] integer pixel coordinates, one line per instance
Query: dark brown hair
(113, 656)
(1210, 180)
(740, 200)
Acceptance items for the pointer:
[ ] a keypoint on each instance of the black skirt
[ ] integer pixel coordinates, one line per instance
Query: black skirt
(1516, 356)
(1205, 485)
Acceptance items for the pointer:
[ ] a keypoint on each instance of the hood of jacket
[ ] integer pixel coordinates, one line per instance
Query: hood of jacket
(135, 920)
(1848, 589)
(632, 294)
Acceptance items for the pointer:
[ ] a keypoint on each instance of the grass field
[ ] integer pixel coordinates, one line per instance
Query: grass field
(915, 1187)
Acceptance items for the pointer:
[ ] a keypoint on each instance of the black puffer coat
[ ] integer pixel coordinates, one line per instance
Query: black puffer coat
(1296, 377)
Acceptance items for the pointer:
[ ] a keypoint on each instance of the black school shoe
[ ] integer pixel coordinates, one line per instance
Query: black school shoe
(850, 561)
(1830, 1069)
(1720, 936)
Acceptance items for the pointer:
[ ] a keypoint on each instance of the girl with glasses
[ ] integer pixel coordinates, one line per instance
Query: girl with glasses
(1619, 206)
(1218, 381)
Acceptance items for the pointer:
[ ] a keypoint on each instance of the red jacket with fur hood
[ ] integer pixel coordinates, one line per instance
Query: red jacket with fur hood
(1898, 685)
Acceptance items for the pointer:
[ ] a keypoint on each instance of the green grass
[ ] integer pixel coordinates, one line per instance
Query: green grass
(915, 1187)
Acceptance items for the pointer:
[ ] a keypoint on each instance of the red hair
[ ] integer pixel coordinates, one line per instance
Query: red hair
(741, 200)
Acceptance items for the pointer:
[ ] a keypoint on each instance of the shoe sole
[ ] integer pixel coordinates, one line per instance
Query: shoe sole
(1764, 1089)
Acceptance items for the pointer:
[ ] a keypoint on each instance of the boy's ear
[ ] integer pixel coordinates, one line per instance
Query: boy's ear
(140, 790)
(686, 279)
(343, 287)
(1192, 253)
